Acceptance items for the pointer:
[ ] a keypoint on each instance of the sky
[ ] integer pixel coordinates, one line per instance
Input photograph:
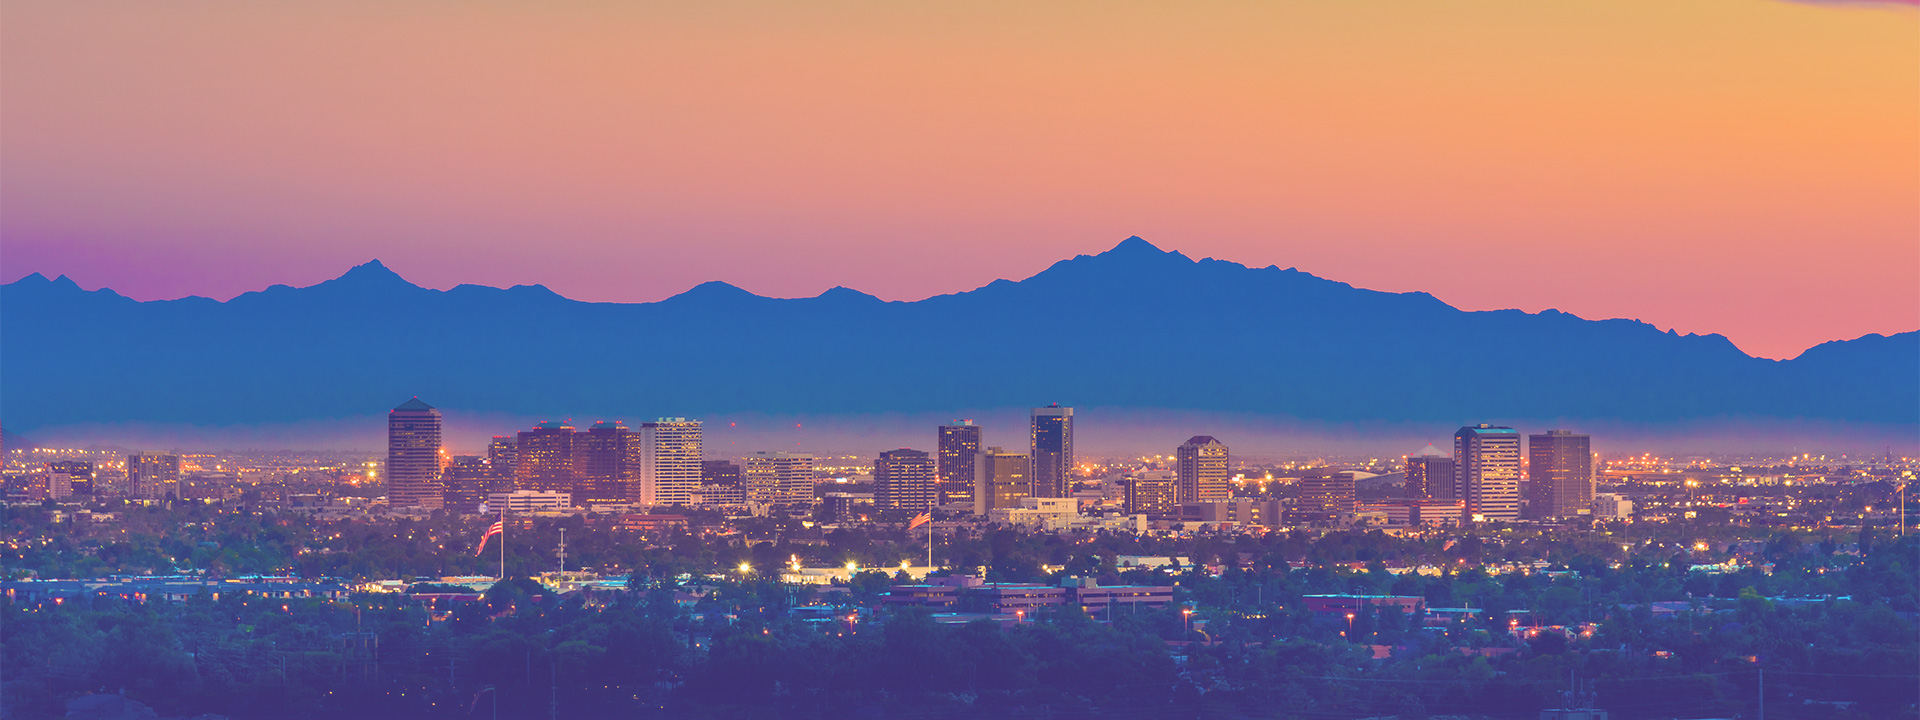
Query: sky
(1742, 167)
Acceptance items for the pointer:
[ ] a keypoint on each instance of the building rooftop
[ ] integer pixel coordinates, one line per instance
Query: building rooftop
(413, 404)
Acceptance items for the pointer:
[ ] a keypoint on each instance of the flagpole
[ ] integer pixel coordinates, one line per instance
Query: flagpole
(503, 543)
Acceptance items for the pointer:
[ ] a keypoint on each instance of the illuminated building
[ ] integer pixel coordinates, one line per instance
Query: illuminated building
(1326, 496)
(1559, 474)
(71, 477)
(1200, 467)
(152, 476)
(959, 446)
(778, 478)
(501, 454)
(1000, 480)
(606, 464)
(720, 483)
(1486, 467)
(670, 454)
(1052, 451)
(1151, 493)
(468, 479)
(413, 456)
(1430, 475)
(543, 458)
(904, 479)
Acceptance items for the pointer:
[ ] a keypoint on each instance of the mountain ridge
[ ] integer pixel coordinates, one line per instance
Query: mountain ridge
(1135, 326)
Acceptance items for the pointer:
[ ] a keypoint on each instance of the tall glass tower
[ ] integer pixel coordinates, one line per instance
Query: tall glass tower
(1052, 451)
(1486, 461)
(413, 456)
(959, 448)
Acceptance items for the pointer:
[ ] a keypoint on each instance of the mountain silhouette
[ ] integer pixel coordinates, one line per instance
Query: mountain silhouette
(1134, 327)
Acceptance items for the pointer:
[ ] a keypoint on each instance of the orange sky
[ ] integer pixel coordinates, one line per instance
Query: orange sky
(1746, 167)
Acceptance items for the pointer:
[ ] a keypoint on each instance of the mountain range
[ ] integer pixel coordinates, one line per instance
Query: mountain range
(1133, 327)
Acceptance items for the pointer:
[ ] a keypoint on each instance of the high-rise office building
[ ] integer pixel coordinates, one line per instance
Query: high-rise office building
(778, 478)
(413, 456)
(959, 446)
(1201, 468)
(1052, 451)
(1000, 479)
(606, 464)
(1486, 468)
(152, 476)
(1559, 474)
(720, 483)
(1152, 493)
(1326, 495)
(1430, 475)
(903, 479)
(670, 454)
(501, 457)
(543, 458)
(468, 479)
(72, 477)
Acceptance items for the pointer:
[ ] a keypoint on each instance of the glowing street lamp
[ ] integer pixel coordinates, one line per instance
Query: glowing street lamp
(1186, 622)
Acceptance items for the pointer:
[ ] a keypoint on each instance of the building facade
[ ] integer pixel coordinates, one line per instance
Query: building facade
(606, 464)
(500, 456)
(778, 478)
(1001, 478)
(1486, 462)
(1559, 474)
(720, 484)
(152, 476)
(413, 456)
(1430, 475)
(1151, 493)
(959, 447)
(468, 479)
(671, 451)
(543, 458)
(1052, 452)
(904, 479)
(1326, 496)
(1201, 469)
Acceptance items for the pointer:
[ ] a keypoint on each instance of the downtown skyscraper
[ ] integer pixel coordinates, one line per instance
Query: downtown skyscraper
(1486, 466)
(903, 479)
(670, 453)
(1052, 451)
(1559, 474)
(543, 458)
(1001, 478)
(1430, 475)
(606, 464)
(413, 456)
(958, 451)
(1200, 465)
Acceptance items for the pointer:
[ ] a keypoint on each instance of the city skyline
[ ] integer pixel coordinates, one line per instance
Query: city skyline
(584, 358)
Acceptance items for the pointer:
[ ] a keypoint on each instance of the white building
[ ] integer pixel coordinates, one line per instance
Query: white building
(1612, 506)
(670, 453)
(1039, 513)
(524, 502)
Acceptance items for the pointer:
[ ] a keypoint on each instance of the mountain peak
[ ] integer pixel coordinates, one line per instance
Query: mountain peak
(1135, 245)
(371, 274)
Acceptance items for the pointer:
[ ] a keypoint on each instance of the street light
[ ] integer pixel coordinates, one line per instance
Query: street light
(1186, 619)
(1349, 626)
(744, 569)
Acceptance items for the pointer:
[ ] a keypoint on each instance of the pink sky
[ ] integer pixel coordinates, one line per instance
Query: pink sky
(1745, 167)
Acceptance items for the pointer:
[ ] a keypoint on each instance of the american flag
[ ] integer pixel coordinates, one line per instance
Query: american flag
(497, 528)
(921, 519)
